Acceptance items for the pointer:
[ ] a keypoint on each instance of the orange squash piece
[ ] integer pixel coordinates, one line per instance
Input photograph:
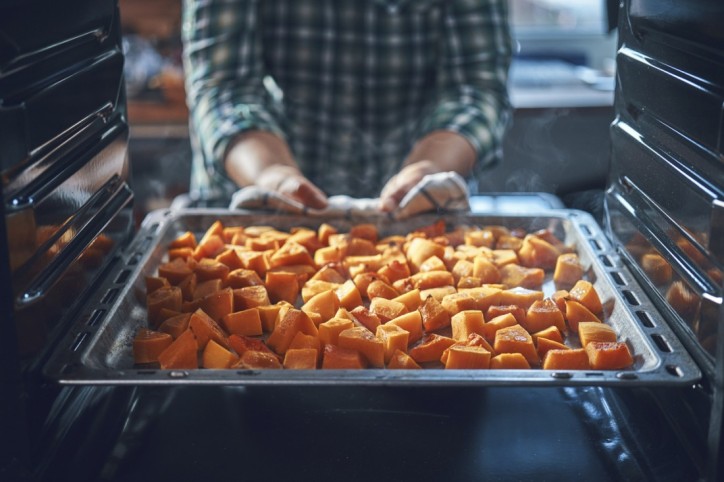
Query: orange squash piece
(430, 348)
(395, 270)
(438, 293)
(434, 316)
(148, 344)
(366, 318)
(209, 247)
(282, 286)
(466, 323)
(538, 253)
(491, 327)
(544, 345)
(293, 321)
(550, 333)
(250, 297)
(577, 313)
(572, 359)
(181, 354)
(513, 275)
(218, 304)
(244, 323)
(362, 340)
(301, 359)
(185, 240)
(175, 271)
(412, 323)
(268, 315)
(205, 328)
(155, 282)
(188, 287)
(380, 289)
(338, 358)
(543, 314)
(608, 355)
(290, 253)
(386, 309)
(216, 356)
(348, 295)
(258, 360)
(522, 297)
(402, 361)
(208, 287)
(584, 292)
(456, 302)
(474, 339)
(497, 310)
(485, 296)
(420, 249)
(568, 270)
(241, 344)
(329, 330)
(169, 298)
(393, 338)
(325, 304)
(467, 357)
(514, 339)
(433, 263)
(207, 269)
(411, 299)
(509, 361)
(589, 331)
(485, 270)
(241, 277)
(175, 325)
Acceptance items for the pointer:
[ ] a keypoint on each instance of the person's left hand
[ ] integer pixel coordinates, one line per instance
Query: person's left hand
(401, 183)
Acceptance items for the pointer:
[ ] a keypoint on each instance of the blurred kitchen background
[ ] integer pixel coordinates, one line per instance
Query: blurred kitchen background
(561, 86)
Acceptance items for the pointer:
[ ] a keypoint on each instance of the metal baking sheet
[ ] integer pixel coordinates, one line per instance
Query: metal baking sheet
(98, 347)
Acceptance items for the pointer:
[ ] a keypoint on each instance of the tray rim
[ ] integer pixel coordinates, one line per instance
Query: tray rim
(65, 364)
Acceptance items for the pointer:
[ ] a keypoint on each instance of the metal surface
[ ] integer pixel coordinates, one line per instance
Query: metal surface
(97, 350)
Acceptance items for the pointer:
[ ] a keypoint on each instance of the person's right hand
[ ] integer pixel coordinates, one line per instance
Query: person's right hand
(290, 182)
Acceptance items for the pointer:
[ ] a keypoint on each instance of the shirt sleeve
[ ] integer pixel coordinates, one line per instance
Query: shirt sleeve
(224, 76)
(472, 96)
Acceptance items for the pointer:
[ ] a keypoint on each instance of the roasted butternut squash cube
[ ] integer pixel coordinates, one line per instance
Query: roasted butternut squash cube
(329, 330)
(538, 253)
(250, 297)
(393, 338)
(542, 314)
(387, 309)
(433, 263)
(301, 340)
(577, 313)
(168, 297)
(325, 304)
(380, 289)
(258, 360)
(282, 286)
(462, 269)
(568, 270)
(175, 271)
(207, 269)
(364, 341)
(467, 322)
(301, 359)
(314, 287)
(411, 299)
(497, 310)
(456, 302)
(230, 259)
(188, 287)
(244, 323)
(206, 288)
(608, 355)
(491, 327)
(432, 279)
(509, 361)
(185, 240)
(502, 257)
(155, 282)
(437, 293)
(465, 357)
(412, 323)
(395, 270)
(366, 318)
(420, 249)
(402, 361)
(218, 304)
(209, 247)
(589, 331)
(484, 296)
(348, 295)
(268, 315)
(513, 275)
(241, 278)
(584, 292)
(338, 358)
(242, 344)
(522, 297)
(216, 356)
(293, 321)
(181, 354)
(175, 325)
(148, 344)
(550, 333)
(434, 316)
(514, 339)
(430, 348)
(328, 255)
(485, 270)
(329, 274)
(205, 328)
(291, 253)
(544, 345)
(572, 359)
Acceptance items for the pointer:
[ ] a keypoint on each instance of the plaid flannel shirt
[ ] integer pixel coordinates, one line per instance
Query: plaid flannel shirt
(349, 84)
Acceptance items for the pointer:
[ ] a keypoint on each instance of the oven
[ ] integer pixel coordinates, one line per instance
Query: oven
(73, 259)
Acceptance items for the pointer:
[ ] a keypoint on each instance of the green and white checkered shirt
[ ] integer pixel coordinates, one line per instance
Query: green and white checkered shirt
(349, 84)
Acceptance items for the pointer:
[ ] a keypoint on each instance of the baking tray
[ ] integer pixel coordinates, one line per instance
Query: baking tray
(98, 347)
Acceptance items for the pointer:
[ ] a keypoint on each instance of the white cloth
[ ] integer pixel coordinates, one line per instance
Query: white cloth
(441, 192)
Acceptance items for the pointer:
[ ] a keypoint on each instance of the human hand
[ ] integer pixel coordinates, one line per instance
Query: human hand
(401, 183)
(290, 182)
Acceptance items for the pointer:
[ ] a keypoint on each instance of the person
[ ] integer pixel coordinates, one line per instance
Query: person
(311, 98)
